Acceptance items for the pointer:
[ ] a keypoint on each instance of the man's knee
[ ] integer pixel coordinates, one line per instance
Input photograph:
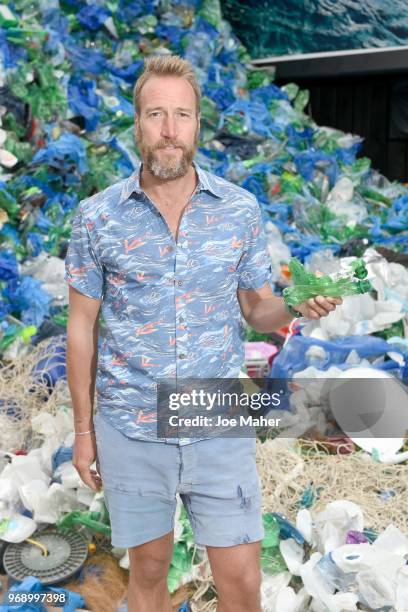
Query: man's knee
(246, 584)
(149, 563)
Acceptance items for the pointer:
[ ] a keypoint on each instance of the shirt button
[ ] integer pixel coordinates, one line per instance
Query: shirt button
(182, 356)
(180, 282)
(181, 319)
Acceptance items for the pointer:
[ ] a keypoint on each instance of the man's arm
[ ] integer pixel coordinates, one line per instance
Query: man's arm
(262, 310)
(82, 356)
(266, 312)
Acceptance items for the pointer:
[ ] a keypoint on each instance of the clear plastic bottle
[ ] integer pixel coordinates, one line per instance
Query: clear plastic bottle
(334, 576)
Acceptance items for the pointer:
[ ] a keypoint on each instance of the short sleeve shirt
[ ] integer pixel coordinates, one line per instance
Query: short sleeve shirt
(170, 307)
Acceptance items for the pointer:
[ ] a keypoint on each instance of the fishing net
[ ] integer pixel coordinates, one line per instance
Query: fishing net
(28, 386)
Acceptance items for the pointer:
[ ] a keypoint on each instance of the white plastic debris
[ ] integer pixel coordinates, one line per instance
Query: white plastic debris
(377, 585)
(389, 279)
(9, 492)
(7, 159)
(24, 469)
(289, 601)
(271, 587)
(357, 315)
(401, 590)
(354, 557)
(50, 270)
(342, 201)
(304, 524)
(68, 475)
(335, 521)
(314, 582)
(278, 251)
(293, 553)
(15, 527)
(392, 540)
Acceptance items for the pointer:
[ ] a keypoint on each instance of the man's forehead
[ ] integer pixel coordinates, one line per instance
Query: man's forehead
(159, 91)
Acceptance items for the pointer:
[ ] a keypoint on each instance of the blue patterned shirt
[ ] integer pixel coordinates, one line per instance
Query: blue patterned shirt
(170, 308)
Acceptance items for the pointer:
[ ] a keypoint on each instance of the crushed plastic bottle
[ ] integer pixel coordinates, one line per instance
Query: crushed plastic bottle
(308, 285)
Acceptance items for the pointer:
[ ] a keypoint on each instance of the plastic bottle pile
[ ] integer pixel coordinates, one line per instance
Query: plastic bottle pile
(66, 76)
(66, 131)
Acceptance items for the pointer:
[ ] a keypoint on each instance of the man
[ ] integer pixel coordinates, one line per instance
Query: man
(173, 255)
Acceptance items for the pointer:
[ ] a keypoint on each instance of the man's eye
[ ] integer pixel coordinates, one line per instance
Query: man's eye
(155, 114)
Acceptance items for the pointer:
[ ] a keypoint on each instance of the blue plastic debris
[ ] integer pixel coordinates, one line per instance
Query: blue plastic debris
(62, 454)
(27, 298)
(51, 364)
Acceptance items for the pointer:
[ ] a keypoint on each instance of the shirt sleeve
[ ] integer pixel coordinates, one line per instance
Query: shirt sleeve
(254, 268)
(83, 271)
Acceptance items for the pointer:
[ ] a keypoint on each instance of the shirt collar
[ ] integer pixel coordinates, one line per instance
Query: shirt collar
(205, 183)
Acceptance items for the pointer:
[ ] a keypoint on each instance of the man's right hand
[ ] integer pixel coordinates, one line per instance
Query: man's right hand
(84, 456)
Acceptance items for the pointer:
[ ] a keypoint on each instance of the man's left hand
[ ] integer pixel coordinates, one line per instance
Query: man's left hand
(318, 307)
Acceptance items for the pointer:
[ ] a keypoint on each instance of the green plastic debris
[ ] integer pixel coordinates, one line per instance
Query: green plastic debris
(14, 331)
(27, 332)
(307, 285)
(211, 11)
(301, 100)
(396, 329)
(184, 554)
(8, 203)
(22, 35)
(253, 336)
(97, 521)
(272, 529)
(272, 561)
(359, 269)
(45, 94)
(209, 119)
(291, 89)
(375, 196)
(7, 18)
(62, 317)
(258, 78)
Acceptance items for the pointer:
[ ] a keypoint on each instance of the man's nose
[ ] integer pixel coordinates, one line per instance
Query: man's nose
(169, 127)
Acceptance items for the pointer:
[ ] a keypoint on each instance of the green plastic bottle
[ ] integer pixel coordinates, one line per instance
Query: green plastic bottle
(307, 285)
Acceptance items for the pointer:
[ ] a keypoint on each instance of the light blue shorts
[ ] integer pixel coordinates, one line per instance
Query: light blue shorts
(217, 480)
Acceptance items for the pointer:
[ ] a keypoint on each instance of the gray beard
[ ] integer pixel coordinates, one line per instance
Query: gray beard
(167, 173)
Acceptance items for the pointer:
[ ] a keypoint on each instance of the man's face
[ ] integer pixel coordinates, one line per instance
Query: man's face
(167, 126)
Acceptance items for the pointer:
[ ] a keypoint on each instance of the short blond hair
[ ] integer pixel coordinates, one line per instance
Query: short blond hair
(166, 65)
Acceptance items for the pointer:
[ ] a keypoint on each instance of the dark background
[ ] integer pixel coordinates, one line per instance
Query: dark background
(375, 107)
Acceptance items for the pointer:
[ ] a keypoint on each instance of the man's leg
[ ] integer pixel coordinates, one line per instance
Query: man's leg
(224, 504)
(149, 565)
(237, 575)
(140, 480)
